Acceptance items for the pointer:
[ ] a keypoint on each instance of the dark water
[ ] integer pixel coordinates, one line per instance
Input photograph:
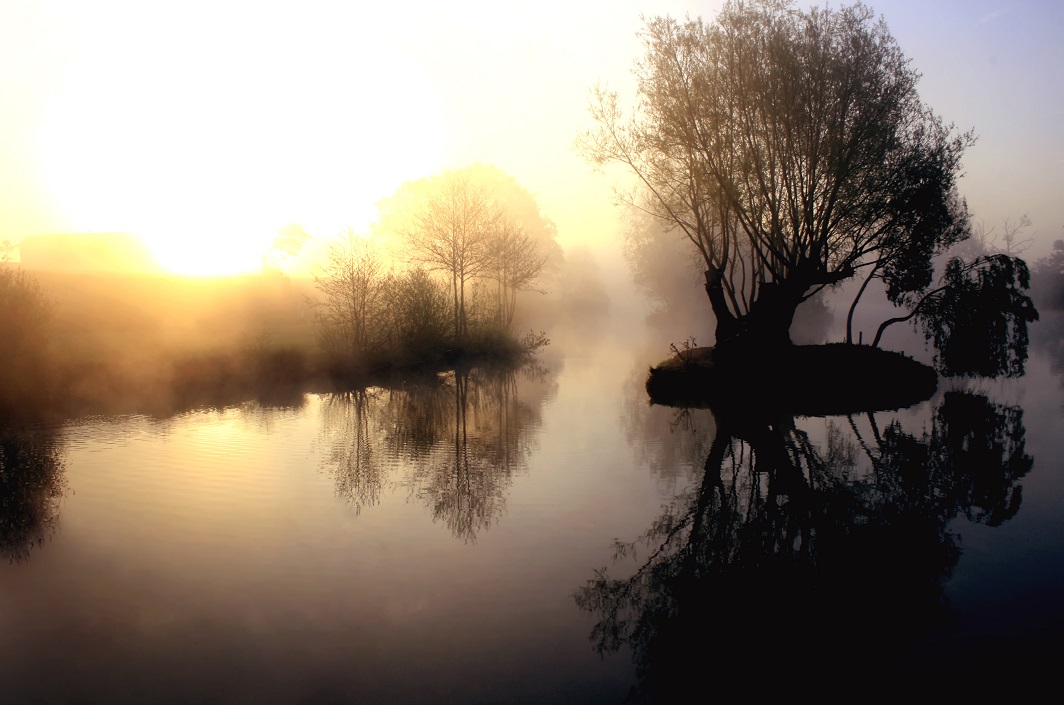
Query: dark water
(544, 536)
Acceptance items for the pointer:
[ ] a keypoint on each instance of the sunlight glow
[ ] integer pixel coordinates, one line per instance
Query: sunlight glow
(207, 153)
(205, 121)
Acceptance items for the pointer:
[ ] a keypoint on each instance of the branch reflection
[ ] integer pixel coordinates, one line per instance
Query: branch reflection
(453, 442)
(32, 483)
(787, 553)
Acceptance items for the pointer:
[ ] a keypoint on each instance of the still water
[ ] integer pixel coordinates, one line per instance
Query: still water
(539, 536)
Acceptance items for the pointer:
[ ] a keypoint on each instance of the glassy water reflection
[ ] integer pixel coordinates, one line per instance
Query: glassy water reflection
(796, 545)
(527, 537)
(32, 482)
(453, 443)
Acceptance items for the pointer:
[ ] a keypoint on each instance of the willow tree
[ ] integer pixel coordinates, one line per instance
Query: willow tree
(792, 150)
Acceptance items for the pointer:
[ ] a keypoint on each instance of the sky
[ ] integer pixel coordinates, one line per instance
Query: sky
(205, 127)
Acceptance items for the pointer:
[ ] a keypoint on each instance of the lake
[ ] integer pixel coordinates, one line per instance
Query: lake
(532, 537)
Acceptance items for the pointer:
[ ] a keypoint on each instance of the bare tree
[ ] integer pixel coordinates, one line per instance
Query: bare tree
(1011, 240)
(448, 228)
(515, 263)
(479, 228)
(352, 294)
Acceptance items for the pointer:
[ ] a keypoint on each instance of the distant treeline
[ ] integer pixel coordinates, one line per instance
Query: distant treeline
(1047, 279)
(439, 277)
(114, 343)
(371, 319)
(434, 287)
(94, 343)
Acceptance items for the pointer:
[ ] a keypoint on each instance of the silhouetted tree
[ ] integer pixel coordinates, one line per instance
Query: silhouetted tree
(472, 224)
(977, 319)
(521, 208)
(420, 312)
(350, 311)
(792, 150)
(448, 227)
(668, 272)
(515, 263)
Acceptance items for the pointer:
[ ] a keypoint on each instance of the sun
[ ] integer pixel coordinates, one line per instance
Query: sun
(206, 155)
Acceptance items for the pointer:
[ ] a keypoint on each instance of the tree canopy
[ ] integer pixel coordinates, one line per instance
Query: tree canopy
(470, 224)
(792, 150)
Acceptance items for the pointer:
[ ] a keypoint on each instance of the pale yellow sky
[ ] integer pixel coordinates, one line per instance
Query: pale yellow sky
(206, 126)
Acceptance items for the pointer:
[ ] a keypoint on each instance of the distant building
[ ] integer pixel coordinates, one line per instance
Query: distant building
(86, 252)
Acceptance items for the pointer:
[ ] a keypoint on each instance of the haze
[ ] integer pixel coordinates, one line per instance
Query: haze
(331, 370)
(206, 126)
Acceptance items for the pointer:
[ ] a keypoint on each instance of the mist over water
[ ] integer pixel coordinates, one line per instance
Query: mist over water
(414, 429)
(205, 518)
(522, 537)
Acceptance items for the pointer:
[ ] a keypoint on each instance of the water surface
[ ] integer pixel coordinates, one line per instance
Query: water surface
(543, 536)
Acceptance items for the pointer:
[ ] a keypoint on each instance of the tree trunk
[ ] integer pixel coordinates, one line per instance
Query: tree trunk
(728, 325)
(457, 319)
(462, 319)
(761, 332)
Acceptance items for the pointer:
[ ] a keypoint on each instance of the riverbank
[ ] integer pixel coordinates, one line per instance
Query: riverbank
(274, 375)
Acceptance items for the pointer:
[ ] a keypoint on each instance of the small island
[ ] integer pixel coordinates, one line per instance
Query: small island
(802, 380)
(784, 190)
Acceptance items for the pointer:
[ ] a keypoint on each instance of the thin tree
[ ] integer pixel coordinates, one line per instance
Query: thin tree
(352, 295)
(448, 229)
(515, 263)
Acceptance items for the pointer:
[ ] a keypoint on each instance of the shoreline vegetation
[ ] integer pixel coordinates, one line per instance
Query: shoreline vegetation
(433, 287)
(97, 344)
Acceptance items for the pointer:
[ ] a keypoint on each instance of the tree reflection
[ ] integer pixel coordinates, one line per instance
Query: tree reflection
(352, 453)
(454, 442)
(32, 483)
(789, 555)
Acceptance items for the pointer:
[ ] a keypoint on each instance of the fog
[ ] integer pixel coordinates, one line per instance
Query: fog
(133, 341)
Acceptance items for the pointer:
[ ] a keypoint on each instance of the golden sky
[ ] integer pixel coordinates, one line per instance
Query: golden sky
(206, 126)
